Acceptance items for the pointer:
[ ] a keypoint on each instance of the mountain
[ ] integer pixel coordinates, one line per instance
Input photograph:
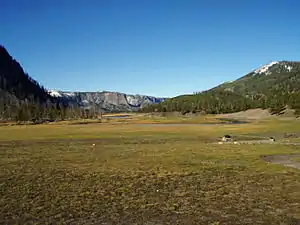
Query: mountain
(274, 86)
(282, 75)
(22, 98)
(15, 83)
(106, 101)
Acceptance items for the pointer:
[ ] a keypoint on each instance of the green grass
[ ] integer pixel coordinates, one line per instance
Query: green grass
(144, 175)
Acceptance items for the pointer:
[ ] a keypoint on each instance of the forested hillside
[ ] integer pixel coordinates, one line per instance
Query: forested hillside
(274, 86)
(24, 99)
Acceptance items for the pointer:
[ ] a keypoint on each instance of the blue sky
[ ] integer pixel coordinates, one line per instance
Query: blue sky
(154, 47)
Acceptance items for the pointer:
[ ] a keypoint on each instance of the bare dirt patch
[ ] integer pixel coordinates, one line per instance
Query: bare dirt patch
(286, 160)
(250, 114)
(258, 114)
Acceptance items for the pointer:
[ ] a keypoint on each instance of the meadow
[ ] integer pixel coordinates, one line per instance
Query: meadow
(124, 172)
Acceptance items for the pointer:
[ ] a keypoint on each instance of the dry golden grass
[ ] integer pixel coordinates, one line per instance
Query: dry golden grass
(137, 174)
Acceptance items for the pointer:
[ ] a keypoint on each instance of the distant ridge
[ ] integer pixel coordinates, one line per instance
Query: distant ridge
(107, 100)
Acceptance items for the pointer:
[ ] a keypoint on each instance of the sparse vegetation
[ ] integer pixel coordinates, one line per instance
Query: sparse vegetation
(127, 174)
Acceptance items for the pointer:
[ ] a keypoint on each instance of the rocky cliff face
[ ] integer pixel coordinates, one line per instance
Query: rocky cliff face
(107, 101)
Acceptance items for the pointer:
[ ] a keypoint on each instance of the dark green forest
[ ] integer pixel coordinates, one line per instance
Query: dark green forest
(24, 99)
(276, 90)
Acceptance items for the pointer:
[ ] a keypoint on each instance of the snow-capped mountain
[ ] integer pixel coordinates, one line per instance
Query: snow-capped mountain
(105, 100)
(265, 68)
(274, 75)
(276, 66)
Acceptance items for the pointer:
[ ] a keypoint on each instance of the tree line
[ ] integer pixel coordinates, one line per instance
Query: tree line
(218, 102)
(26, 110)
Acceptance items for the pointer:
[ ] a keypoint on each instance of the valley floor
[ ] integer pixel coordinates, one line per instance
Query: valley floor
(120, 173)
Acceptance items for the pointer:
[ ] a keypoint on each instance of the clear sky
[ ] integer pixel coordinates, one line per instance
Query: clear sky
(154, 47)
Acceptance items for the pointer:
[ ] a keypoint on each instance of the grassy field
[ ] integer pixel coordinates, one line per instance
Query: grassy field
(296, 159)
(134, 174)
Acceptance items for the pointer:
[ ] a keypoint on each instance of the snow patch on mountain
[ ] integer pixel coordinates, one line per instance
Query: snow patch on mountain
(264, 69)
(54, 93)
(289, 68)
(60, 94)
(70, 94)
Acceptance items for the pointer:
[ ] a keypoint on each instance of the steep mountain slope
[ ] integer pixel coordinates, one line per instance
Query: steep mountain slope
(275, 86)
(21, 97)
(15, 84)
(282, 76)
(107, 101)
